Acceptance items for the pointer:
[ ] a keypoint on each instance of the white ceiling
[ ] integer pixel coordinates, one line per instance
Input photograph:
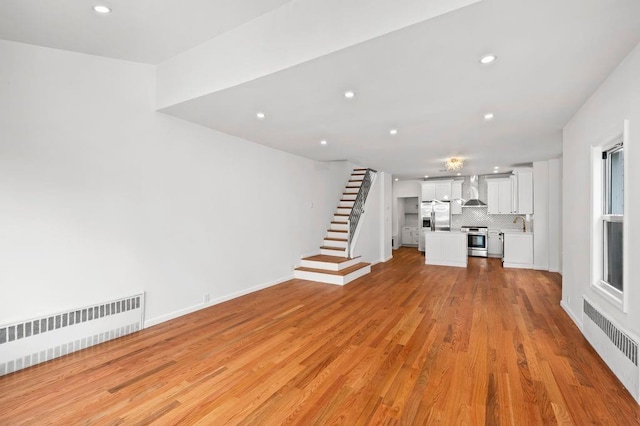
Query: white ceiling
(424, 80)
(148, 31)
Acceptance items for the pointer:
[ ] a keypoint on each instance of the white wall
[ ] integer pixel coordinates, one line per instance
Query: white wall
(600, 118)
(102, 197)
(555, 215)
(373, 243)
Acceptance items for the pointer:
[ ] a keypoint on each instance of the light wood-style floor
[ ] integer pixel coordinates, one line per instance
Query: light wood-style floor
(408, 344)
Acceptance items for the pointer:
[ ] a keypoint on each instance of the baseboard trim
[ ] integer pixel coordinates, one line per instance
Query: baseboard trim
(387, 259)
(188, 310)
(571, 315)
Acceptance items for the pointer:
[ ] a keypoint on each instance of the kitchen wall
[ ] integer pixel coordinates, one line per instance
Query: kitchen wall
(103, 197)
(478, 216)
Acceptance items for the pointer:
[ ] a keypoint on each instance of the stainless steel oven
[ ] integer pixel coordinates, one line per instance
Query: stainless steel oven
(477, 240)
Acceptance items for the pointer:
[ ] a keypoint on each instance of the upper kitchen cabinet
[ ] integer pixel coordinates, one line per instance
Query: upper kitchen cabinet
(513, 195)
(499, 196)
(456, 197)
(436, 190)
(523, 191)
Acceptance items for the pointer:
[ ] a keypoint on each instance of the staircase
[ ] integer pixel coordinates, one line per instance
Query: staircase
(334, 265)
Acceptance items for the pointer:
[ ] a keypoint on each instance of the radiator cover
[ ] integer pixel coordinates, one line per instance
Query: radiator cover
(618, 350)
(37, 340)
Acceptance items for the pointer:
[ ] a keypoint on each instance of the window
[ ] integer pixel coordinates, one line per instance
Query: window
(613, 216)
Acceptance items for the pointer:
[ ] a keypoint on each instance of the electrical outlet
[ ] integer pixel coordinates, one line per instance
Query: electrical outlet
(206, 298)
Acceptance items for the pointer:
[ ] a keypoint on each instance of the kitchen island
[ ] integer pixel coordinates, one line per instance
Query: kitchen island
(446, 248)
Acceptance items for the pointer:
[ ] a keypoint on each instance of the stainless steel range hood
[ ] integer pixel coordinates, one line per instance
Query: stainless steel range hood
(474, 195)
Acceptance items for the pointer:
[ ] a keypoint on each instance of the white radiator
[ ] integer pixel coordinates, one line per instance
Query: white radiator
(614, 346)
(31, 342)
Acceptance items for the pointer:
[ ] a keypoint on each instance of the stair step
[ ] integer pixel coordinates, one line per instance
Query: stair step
(328, 263)
(339, 222)
(340, 249)
(340, 277)
(360, 169)
(337, 233)
(336, 239)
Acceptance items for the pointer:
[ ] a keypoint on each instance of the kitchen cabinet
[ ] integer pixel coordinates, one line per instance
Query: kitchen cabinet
(446, 248)
(518, 250)
(436, 190)
(456, 196)
(499, 196)
(410, 235)
(523, 191)
(494, 246)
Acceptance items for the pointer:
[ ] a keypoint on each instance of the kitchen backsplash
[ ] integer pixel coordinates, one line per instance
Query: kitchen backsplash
(478, 216)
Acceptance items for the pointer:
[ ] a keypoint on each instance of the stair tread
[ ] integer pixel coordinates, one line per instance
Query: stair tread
(341, 214)
(329, 259)
(360, 168)
(342, 249)
(335, 239)
(343, 272)
(336, 230)
(339, 222)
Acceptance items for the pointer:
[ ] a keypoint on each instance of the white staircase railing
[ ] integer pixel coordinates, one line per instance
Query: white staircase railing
(358, 209)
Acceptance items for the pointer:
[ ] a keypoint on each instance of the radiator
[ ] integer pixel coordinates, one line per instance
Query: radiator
(618, 350)
(37, 340)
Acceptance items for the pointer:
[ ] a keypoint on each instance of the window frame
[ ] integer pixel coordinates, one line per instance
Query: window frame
(599, 184)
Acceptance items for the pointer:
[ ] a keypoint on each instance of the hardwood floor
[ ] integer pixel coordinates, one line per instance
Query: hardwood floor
(407, 344)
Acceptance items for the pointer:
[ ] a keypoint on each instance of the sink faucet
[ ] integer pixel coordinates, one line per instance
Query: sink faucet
(524, 224)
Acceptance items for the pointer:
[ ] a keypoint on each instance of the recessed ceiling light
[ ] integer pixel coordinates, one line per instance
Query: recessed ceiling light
(488, 59)
(101, 9)
(393, 131)
(260, 115)
(426, 176)
(458, 174)
(496, 167)
(488, 116)
(495, 171)
(323, 142)
(349, 94)
(396, 179)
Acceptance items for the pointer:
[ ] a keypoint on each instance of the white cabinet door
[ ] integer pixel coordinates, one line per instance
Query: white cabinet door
(494, 246)
(499, 200)
(443, 190)
(456, 195)
(518, 250)
(506, 203)
(525, 193)
(493, 196)
(428, 191)
(406, 235)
